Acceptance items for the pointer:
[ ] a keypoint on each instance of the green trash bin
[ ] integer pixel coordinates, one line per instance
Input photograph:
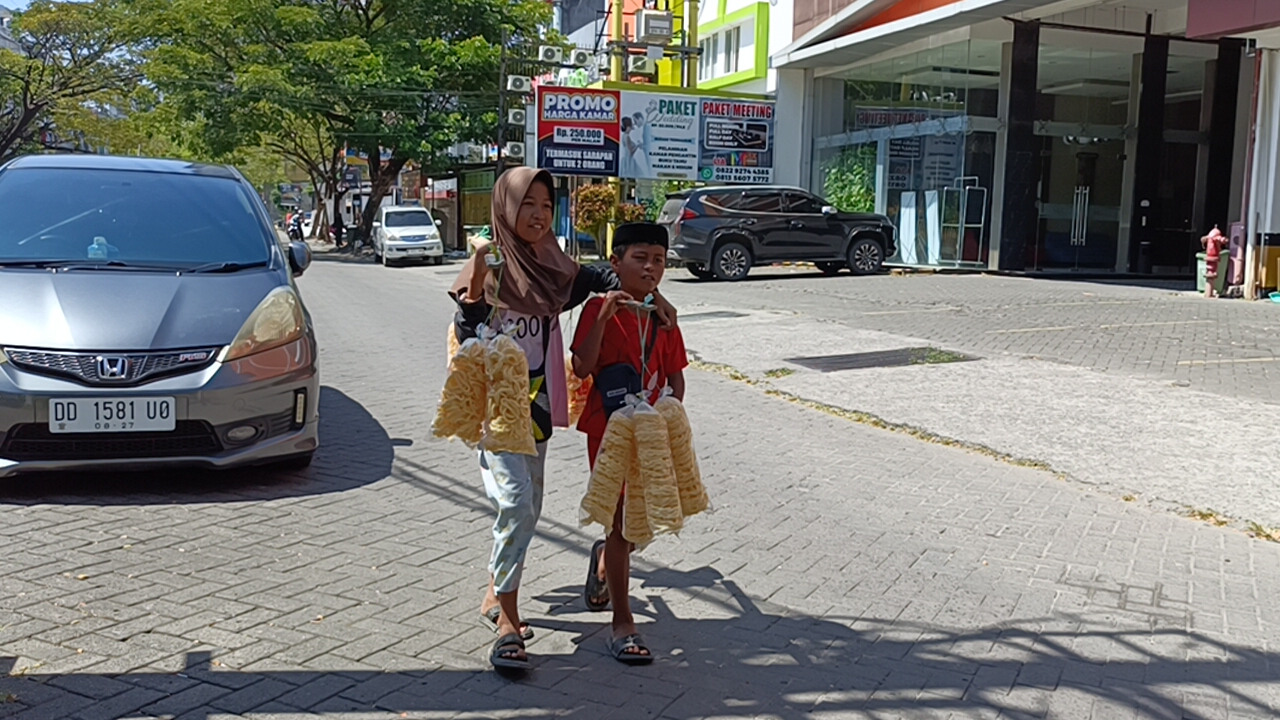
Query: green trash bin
(1200, 269)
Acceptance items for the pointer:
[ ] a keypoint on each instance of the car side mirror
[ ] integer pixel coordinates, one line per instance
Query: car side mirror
(439, 222)
(829, 210)
(376, 224)
(299, 257)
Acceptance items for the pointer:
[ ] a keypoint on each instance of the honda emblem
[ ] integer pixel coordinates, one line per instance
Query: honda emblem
(113, 368)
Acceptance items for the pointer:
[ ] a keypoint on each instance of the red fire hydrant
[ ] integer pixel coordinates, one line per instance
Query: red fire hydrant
(1213, 244)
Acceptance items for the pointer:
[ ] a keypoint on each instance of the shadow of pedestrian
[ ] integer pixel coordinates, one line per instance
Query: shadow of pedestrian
(739, 657)
(347, 431)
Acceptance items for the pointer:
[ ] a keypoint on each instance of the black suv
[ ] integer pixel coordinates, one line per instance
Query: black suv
(721, 232)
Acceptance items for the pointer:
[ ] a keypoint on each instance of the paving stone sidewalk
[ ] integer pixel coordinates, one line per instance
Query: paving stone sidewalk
(846, 572)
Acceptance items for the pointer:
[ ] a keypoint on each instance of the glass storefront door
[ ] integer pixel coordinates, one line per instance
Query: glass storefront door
(1080, 200)
(1085, 84)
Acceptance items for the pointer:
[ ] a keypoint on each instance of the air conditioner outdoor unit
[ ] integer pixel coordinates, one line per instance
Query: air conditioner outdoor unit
(514, 150)
(580, 57)
(519, 83)
(654, 27)
(516, 117)
(640, 65)
(551, 54)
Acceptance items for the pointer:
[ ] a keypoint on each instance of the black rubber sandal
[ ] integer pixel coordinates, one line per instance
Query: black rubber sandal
(490, 619)
(626, 650)
(505, 644)
(594, 590)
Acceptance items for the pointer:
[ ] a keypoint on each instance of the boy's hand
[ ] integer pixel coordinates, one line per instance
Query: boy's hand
(666, 312)
(609, 307)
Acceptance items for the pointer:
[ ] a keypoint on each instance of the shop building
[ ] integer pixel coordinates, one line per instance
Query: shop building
(1088, 136)
(1257, 21)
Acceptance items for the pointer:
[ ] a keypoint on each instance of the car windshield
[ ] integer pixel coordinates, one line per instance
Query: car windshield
(128, 218)
(408, 218)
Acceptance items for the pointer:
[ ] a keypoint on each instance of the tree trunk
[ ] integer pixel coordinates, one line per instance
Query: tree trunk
(380, 180)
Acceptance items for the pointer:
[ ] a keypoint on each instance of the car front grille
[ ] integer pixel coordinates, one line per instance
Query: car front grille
(87, 368)
(33, 442)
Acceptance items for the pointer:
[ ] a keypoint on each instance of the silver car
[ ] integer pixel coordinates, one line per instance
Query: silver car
(148, 317)
(404, 233)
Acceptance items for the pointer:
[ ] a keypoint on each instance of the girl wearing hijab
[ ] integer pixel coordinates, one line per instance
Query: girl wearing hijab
(536, 282)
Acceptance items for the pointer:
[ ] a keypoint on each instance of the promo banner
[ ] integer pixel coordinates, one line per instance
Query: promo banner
(578, 131)
(737, 141)
(658, 136)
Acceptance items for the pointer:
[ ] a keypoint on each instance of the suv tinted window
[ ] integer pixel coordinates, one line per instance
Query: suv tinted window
(141, 218)
(803, 204)
(760, 202)
(718, 202)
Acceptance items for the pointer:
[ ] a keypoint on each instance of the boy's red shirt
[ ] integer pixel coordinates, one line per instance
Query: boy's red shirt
(621, 344)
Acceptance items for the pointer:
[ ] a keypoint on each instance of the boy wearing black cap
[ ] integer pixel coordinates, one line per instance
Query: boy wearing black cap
(614, 340)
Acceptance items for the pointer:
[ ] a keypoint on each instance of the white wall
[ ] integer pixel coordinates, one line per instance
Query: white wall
(781, 18)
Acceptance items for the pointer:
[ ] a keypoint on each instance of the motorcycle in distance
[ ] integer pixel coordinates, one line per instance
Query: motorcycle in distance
(295, 228)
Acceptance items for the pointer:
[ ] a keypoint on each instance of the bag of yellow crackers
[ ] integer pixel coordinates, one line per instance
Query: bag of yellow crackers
(647, 450)
(485, 400)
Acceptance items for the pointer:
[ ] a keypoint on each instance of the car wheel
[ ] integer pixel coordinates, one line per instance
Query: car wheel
(866, 257)
(699, 272)
(438, 260)
(297, 462)
(830, 268)
(377, 256)
(731, 262)
(386, 261)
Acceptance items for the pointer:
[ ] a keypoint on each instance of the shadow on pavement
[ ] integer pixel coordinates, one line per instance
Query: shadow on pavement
(772, 273)
(1169, 284)
(754, 660)
(354, 451)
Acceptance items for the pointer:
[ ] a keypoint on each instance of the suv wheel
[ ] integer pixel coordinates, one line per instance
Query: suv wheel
(830, 268)
(731, 262)
(699, 272)
(866, 257)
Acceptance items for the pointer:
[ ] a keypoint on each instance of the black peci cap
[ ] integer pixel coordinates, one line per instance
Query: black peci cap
(639, 233)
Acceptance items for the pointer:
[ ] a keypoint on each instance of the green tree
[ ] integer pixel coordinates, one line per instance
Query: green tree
(72, 51)
(402, 80)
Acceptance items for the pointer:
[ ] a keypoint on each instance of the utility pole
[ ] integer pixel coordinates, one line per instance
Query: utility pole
(502, 106)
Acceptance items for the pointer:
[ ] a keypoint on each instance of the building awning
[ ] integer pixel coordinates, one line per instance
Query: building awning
(868, 27)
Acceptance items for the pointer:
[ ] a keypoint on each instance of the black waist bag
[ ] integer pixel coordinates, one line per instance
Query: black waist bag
(615, 382)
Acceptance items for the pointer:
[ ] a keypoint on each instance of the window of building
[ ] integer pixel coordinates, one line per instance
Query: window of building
(732, 44)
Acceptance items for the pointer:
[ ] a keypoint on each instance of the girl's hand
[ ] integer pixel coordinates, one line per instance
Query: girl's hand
(609, 307)
(666, 312)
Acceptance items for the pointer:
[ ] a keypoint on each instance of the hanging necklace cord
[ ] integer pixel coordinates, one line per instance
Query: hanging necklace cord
(497, 287)
(643, 326)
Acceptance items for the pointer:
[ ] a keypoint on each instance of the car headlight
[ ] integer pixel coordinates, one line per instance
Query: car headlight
(277, 321)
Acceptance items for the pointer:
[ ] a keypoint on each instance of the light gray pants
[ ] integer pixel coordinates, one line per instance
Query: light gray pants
(514, 484)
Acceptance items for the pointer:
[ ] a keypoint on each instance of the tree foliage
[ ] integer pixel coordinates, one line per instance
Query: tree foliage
(402, 80)
(849, 180)
(72, 51)
(593, 208)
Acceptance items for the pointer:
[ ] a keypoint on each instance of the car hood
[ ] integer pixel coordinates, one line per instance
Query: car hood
(128, 311)
(416, 231)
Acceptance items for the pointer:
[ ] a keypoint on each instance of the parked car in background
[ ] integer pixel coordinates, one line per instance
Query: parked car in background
(722, 232)
(148, 318)
(404, 233)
